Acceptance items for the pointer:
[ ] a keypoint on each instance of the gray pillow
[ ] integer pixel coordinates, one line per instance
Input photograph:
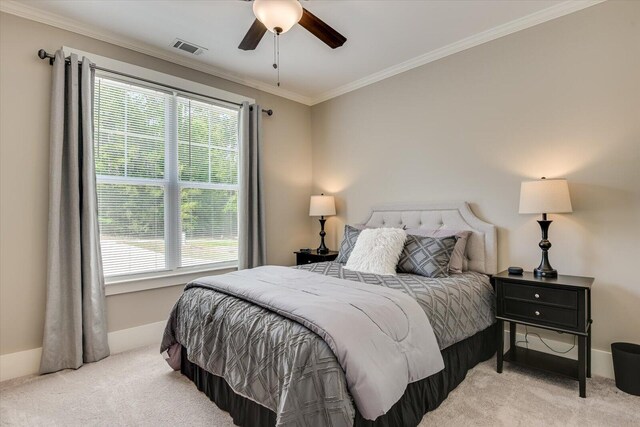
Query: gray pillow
(426, 256)
(456, 262)
(348, 243)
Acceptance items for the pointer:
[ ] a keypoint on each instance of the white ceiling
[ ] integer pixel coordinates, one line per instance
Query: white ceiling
(384, 37)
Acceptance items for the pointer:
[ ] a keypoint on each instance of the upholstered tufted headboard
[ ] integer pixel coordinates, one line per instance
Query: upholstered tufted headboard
(482, 247)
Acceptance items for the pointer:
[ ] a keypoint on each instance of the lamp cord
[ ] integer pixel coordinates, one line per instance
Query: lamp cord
(526, 341)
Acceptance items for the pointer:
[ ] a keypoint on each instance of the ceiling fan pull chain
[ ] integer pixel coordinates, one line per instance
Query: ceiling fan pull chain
(276, 52)
(275, 65)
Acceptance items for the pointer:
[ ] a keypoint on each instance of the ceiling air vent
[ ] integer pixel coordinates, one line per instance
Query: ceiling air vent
(188, 47)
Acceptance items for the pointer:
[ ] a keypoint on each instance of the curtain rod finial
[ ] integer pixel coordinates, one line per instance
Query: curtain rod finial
(42, 54)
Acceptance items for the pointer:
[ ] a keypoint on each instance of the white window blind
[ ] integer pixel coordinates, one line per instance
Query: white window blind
(167, 178)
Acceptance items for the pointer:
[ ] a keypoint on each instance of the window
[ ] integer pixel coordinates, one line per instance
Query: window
(167, 179)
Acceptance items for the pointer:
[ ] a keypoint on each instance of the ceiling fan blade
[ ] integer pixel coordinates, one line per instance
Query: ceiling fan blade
(321, 30)
(253, 36)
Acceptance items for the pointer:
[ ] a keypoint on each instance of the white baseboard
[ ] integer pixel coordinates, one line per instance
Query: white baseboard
(21, 363)
(601, 361)
(140, 336)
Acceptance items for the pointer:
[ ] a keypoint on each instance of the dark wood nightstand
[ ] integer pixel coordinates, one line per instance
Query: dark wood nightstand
(561, 304)
(313, 256)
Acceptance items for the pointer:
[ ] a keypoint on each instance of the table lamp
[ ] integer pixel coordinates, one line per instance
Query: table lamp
(544, 197)
(322, 206)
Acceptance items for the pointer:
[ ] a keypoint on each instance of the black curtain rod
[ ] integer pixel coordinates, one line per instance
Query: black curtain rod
(42, 54)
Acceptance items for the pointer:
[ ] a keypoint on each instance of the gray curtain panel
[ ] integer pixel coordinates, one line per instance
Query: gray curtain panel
(75, 323)
(251, 232)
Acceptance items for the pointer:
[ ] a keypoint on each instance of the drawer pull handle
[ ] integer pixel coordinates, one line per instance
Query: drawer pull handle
(537, 313)
(537, 295)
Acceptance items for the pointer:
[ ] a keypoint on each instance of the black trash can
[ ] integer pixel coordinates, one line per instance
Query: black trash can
(626, 366)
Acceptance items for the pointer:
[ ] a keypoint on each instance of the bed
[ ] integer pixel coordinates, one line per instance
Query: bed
(266, 369)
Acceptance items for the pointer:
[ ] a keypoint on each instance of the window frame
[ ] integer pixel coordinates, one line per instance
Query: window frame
(134, 282)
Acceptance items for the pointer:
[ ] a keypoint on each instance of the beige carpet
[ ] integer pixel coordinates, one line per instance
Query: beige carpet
(137, 388)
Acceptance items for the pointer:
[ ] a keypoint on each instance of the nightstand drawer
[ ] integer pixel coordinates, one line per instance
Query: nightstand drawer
(541, 314)
(302, 259)
(542, 294)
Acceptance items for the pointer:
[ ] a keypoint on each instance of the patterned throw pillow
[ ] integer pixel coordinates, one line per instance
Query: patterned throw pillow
(426, 256)
(457, 261)
(348, 243)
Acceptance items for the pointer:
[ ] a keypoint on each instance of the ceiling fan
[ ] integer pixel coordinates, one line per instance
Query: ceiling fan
(278, 16)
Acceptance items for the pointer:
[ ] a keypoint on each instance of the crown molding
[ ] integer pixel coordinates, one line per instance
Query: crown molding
(16, 8)
(28, 12)
(519, 24)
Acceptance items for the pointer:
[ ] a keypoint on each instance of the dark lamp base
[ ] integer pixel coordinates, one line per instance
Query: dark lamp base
(322, 249)
(545, 269)
(538, 272)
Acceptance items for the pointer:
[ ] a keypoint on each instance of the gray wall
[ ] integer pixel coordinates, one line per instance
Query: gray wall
(24, 146)
(561, 99)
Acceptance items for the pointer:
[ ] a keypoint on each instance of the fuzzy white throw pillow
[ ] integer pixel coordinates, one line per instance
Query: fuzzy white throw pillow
(377, 251)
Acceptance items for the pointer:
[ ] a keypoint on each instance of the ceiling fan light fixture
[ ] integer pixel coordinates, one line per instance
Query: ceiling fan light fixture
(278, 15)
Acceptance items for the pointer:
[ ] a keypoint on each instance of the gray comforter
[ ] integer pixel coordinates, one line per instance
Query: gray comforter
(370, 329)
(289, 369)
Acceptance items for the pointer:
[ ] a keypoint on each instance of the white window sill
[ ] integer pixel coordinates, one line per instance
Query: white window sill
(162, 280)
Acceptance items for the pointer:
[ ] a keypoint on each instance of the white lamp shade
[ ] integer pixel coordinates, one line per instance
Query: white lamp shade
(278, 13)
(545, 196)
(322, 206)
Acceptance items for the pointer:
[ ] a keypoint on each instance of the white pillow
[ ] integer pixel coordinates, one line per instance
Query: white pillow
(377, 251)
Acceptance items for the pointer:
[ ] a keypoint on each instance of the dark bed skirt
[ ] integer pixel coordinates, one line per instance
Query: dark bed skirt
(419, 398)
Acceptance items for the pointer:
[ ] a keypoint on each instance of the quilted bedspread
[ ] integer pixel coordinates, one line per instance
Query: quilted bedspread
(286, 367)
